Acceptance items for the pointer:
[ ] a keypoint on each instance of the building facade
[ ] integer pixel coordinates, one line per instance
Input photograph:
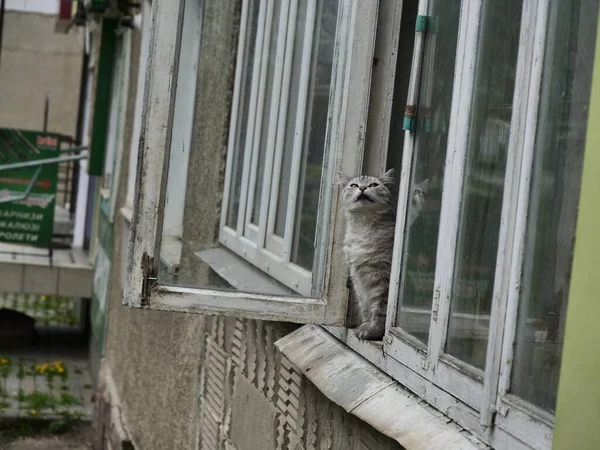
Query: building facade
(227, 300)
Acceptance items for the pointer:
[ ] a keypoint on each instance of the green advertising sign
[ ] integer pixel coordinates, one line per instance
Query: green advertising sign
(29, 219)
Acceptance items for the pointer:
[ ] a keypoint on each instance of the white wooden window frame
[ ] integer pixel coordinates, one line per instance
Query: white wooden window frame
(257, 242)
(347, 120)
(183, 118)
(480, 401)
(146, 18)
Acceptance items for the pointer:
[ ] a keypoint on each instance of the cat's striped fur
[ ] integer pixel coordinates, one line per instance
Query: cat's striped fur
(369, 240)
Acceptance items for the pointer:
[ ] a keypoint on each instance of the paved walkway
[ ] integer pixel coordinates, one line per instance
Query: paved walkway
(79, 439)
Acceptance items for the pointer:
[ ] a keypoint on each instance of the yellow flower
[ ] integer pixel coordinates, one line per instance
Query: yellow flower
(61, 370)
(42, 297)
(33, 412)
(4, 361)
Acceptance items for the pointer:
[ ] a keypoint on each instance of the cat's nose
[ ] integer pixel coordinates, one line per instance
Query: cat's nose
(362, 188)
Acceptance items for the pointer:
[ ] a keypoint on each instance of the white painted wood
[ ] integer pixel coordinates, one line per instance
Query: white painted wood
(346, 129)
(299, 132)
(278, 107)
(352, 75)
(382, 88)
(155, 137)
(354, 384)
(458, 137)
(139, 99)
(438, 398)
(527, 423)
(234, 127)
(258, 113)
(404, 185)
(287, 273)
(516, 264)
(249, 154)
(239, 304)
(519, 129)
(331, 157)
(451, 376)
(242, 275)
(183, 119)
(285, 94)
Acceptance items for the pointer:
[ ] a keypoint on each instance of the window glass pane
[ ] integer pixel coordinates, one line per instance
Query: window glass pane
(558, 159)
(484, 182)
(242, 112)
(270, 108)
(313, 145)
(233, 236)
(431, 136)
(285, 160)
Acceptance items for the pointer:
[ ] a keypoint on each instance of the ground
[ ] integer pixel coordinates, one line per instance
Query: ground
(79, 438)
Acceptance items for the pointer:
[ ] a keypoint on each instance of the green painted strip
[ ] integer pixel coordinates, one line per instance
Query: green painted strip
(421, 24)
(408, 124)
(102, 98)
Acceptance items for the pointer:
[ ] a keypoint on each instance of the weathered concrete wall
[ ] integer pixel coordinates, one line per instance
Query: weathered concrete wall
(186, 381)
(34, 61)
(152, 355)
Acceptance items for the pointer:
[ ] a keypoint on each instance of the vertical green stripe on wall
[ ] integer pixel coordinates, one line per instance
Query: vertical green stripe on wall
(97, 151)
(578, 409)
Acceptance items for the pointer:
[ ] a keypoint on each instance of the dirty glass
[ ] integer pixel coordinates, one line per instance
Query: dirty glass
(269, 110)
(431, 136)
(253, 207)
(313, 144)
(554, 196)
(481, 205)
(241, 133)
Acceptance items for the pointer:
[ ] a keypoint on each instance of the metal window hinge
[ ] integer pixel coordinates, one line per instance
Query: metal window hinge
(149, 278)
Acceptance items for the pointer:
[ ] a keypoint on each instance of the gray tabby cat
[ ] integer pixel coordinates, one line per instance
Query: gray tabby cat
(368, 243)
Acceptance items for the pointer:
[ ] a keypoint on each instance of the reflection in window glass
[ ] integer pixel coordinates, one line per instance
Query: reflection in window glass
(268, 109)
(558, 161)
(313, 146)
(479, 225)
(431, 138)
(272, 196)
(242, 113)
(282, 194)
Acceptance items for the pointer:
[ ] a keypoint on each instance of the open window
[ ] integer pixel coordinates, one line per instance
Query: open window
(493, 136)
(496, 124)
(275, 115)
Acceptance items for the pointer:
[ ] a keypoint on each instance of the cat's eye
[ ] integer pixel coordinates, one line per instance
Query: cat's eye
(373, 185)
(354, 185)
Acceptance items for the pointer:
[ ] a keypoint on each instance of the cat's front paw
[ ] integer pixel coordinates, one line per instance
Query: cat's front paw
(367, 332)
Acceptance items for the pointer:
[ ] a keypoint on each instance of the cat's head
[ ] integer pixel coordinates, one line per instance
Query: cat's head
(367, 194)
(420, 193)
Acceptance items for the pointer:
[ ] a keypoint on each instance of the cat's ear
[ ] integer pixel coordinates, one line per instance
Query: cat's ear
(423, 185)
(342, 179)
(388, 177)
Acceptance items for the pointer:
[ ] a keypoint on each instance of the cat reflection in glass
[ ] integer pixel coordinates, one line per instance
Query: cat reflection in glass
(370, 213)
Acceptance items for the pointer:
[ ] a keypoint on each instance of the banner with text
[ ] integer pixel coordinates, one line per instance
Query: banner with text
(28, 221)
